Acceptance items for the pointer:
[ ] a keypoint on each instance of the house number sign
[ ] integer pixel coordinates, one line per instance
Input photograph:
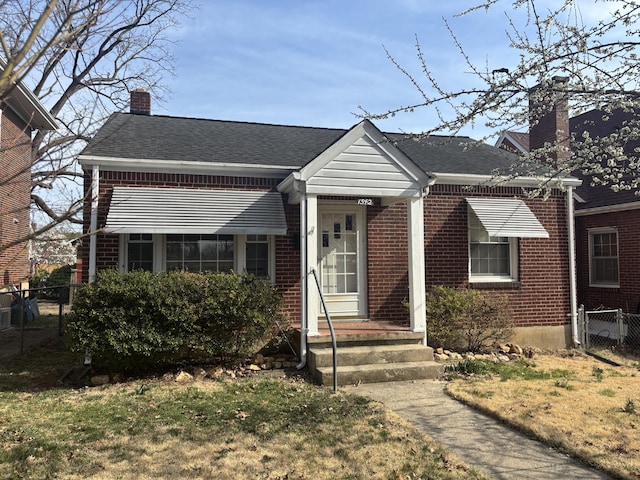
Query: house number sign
(365, 201)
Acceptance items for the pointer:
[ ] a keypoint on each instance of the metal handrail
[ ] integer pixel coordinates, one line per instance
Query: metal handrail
(333, 333)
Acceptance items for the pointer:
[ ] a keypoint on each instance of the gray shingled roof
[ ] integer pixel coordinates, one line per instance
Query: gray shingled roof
(165, 138)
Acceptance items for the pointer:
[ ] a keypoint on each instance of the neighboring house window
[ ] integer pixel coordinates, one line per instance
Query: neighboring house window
(603, 248)
(491, 258)
(199, 253)
(140, 252)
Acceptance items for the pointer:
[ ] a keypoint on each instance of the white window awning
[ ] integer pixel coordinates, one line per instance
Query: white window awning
(181, 210)
(507, 217)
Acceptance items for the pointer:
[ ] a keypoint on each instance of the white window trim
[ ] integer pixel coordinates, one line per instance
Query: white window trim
(513, 266)
(595, 231)
(514, 249)
(159, 253)
(240, 261)
(123, 259)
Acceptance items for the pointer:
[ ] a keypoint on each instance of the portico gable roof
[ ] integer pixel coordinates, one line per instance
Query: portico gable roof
(363, 162)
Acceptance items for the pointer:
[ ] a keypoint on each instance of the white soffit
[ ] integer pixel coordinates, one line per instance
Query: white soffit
(179, 210)
(507, 217)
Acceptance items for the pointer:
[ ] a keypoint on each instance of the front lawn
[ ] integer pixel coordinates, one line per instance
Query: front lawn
(260, 427)
(587, 408)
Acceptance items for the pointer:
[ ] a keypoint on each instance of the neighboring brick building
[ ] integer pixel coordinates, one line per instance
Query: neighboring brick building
(607, 222)
(607, 229)
(20, 114)
(381, 217)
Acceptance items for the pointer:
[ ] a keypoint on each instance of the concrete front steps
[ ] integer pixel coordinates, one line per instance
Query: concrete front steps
(372, 358)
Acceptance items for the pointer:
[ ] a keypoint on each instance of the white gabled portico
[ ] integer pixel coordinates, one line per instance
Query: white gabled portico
(361, 167)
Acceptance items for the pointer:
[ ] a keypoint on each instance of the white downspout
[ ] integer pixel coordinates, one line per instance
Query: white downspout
(93, 225)
(303, 283)
(572, 267)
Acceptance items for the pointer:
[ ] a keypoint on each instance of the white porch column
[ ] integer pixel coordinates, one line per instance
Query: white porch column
(313, 298)
(418, 321)
(93, 224)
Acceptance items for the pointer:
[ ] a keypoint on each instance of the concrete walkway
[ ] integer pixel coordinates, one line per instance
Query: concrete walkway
(479, 440)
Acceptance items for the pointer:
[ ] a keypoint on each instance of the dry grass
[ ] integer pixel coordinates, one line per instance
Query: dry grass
(586, 407)
(261, 428)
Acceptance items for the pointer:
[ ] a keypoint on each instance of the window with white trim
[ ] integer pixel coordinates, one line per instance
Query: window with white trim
(199, 253)
(491, 259)
(257, 255)
(140, 252)
(603, 257)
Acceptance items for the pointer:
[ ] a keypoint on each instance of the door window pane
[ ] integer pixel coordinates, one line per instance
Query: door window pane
(339, 253)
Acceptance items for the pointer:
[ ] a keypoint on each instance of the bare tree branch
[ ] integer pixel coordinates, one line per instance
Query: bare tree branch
(599, 59)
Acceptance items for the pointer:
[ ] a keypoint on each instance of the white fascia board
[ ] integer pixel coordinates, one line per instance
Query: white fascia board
(198, 168)
(362, 192)
(28, 107)
(607, 209)
(362, 129)
(499, 180)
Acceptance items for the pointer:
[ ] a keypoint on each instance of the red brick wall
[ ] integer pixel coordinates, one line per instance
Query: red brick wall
(288, 262)
(551, 127)
(541, 297)
(387, 262)
(15, 197)
(287, 256)
(627, 297)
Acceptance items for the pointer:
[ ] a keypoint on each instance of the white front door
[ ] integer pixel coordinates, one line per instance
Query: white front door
(342, 251)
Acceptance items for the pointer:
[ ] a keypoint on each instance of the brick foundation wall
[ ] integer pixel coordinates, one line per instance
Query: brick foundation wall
(15, 197)
(627, 296)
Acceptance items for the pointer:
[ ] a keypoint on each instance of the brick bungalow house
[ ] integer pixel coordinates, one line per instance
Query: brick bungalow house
(607, 222)
(381, 217)
(20, 114)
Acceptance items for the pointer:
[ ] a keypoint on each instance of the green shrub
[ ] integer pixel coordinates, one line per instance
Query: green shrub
(466, 320)
(58, 277)
(467, 367)
(141, 319)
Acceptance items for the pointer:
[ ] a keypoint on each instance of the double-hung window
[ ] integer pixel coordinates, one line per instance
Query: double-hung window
(491, 258)
(603, 257)
(140, 252)
(257, 255)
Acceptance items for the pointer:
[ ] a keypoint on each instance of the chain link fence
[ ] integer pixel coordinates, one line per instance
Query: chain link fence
(604, 329)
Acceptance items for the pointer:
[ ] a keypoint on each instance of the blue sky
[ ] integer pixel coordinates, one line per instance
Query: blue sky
(313, 62)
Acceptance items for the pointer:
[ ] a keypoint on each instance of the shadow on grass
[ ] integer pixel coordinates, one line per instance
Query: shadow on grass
(38, 369)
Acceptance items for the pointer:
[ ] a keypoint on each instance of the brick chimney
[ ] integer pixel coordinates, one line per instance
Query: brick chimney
(549, 119)
(140, 102)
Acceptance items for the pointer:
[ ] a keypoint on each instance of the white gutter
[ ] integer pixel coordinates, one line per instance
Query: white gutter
(93, 227)
(500, 180)
(303, 282)
(184, 166)
(572, 267)
(620, 207)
